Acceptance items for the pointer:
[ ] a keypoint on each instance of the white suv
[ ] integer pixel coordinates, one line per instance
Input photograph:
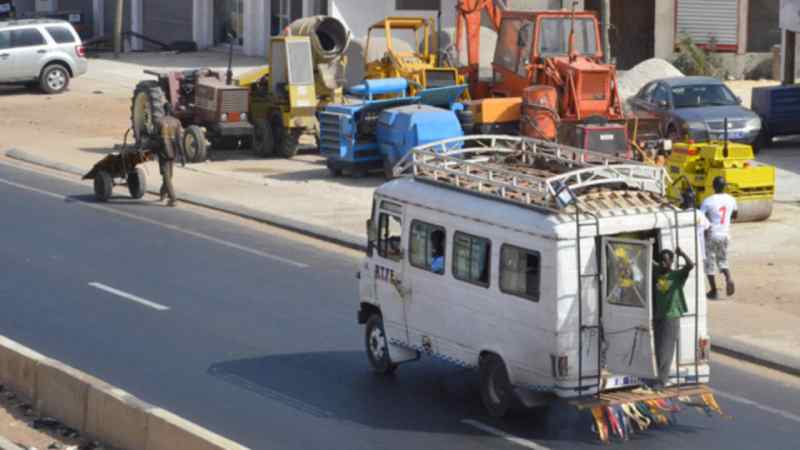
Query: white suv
(41, 51)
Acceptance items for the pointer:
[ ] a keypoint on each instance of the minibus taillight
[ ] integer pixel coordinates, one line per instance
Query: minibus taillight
(560, 365)
(703, 348)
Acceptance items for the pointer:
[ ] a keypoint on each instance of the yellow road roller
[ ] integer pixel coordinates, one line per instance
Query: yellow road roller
(696, 165)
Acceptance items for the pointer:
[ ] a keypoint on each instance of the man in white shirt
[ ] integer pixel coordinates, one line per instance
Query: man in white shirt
(720, 209)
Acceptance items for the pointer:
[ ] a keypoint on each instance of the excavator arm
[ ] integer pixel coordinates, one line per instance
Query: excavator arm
(468, 21)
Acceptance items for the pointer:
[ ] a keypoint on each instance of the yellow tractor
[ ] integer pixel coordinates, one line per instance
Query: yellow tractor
(418, 65)
(695, 165)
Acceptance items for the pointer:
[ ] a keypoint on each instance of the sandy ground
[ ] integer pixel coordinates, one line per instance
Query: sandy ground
(15, 425)
(88, 120)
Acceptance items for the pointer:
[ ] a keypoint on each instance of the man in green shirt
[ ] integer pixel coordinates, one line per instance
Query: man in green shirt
(669, 304)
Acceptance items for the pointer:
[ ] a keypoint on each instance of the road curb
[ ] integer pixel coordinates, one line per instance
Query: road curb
(103, 412)
(316, 231)
(756, 356)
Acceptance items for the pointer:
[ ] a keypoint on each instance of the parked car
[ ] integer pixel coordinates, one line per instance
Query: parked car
(696, 108)
(42, 52)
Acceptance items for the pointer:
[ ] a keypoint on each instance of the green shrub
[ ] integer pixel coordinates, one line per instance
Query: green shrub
(693, 60)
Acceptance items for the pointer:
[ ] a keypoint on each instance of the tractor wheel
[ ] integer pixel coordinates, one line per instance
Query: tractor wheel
(194, 144)
(103, 185)
(287, 142)
(263, 138)
(137, 183)
(147, 110)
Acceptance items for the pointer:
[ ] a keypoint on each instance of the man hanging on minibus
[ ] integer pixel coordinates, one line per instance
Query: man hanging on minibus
(669, 304)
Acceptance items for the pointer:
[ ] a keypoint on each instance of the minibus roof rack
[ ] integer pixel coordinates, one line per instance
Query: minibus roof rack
(533, 172)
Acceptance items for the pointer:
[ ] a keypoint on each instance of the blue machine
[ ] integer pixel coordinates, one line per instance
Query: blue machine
(779, 109)
(378, 132)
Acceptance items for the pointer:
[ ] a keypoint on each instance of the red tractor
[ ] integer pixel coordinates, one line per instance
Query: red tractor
(209, 106)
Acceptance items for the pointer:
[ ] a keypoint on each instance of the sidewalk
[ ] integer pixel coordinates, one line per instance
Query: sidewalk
(73, 131)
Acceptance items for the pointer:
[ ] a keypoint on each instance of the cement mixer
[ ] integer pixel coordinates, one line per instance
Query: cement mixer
(306, 73)
(329, 42)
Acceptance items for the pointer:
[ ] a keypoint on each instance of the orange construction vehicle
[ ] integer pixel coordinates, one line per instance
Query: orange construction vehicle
(553, 62)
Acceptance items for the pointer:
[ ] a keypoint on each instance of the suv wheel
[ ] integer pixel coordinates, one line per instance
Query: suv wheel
(54, 79)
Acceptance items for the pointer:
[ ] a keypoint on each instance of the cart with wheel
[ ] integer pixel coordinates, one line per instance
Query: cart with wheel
(118, 169)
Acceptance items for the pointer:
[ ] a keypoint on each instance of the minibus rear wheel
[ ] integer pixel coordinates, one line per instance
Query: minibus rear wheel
(496, 391)
(377, 346)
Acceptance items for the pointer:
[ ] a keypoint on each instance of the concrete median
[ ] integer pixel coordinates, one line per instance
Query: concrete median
(166, 431)
(116, 417)
(96, 409)
(18, 367)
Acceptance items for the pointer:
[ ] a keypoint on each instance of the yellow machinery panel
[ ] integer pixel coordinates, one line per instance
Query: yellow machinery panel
(496, 110)
(752, 183)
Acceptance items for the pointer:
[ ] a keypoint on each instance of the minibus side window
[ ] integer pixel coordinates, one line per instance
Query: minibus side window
(427, 247)
(390, 228)
(471, 258)
(520, 272)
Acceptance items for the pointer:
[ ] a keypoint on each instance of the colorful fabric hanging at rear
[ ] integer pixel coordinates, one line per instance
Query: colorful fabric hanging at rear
(622, 420)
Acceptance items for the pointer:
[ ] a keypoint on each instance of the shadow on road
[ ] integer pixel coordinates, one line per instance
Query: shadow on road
(429, 396)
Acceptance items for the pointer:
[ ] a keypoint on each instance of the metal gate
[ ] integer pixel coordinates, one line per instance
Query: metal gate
(707, 21)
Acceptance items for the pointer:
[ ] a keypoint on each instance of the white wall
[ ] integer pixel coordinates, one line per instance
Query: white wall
(664, 45)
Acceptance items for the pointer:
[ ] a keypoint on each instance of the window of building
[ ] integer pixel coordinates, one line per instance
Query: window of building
(26, 37)
(520, 272)
(229, 21)
(418, 5)
(61, 35)
(390, 229)
(427, 247)
(471, 257)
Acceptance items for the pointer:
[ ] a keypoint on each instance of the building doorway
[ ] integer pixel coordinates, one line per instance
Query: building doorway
(632, 35)
(229, 21)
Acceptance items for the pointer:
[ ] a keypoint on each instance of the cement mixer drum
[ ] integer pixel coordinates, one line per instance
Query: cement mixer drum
(329, 36)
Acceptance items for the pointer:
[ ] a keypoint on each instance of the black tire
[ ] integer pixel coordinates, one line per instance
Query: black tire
(377, 346)
(287, 142)
(497, 394)
(673, 134)
(467, 120)
(54, 79)
(388, 169)
(146, 116)
(763, 141)
(333, 171)
(194, 144)
(263, 138)
(137, 183)
(103, 186)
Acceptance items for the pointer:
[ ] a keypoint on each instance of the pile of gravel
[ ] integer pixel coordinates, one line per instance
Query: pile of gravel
(631, 81)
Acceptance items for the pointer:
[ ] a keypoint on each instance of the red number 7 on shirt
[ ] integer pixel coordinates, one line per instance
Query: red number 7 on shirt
(723, 212)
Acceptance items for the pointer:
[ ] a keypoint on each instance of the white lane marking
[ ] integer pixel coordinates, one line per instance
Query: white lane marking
(769, 409)
(128, 296)
(500, 433)
(162, 225)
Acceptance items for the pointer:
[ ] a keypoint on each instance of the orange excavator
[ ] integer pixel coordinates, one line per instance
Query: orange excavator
(548, 75)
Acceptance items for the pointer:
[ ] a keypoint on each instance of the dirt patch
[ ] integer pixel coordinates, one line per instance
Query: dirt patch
(17, 421)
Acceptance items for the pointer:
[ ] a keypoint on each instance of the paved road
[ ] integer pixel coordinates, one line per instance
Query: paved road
(253, 334)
